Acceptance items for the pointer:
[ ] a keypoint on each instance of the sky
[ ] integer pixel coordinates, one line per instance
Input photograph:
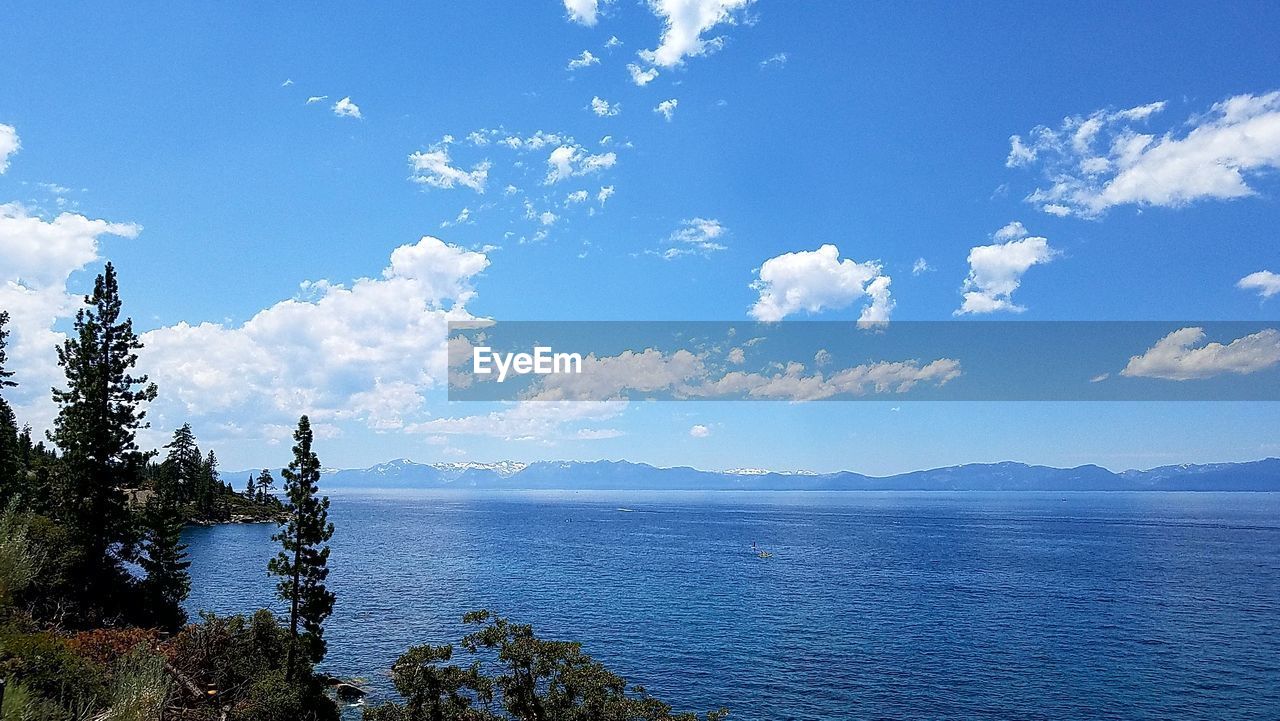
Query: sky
(298, 200)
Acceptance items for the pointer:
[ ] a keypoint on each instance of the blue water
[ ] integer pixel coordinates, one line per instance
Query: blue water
(875, 605)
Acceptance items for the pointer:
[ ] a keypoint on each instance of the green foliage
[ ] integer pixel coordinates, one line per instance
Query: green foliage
(140, 688)
(10, 444)
(302, 564)
(243, 658)
(515, 676)
(20, 558)
(48, 668)
(165, 561)
(98, 417)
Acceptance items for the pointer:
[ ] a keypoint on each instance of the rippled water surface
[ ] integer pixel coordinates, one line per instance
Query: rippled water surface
(874, 605)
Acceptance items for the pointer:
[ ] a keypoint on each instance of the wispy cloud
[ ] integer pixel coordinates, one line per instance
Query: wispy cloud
(667, 108)
(1108, 159)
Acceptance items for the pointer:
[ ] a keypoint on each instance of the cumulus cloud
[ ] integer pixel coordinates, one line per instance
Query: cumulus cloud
(699, 431)
(39, 258)
(816, 280)
(568, 161)
(346, 109)
(605, 193)
(1264, 282)
(920, 267)
(1176, 357)
(432, 167)
(585, 60)
(366, 352)
(1108, 159)
(604, 108)
(9, 144)
(695, 235)
(667, 108)
(684, 22)
(995, 271)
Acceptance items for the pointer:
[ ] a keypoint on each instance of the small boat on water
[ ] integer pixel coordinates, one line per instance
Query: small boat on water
(764, 554)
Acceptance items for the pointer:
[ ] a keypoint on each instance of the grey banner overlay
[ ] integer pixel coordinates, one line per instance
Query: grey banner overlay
(845, 361)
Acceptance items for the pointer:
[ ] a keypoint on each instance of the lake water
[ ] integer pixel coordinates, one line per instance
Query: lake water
(874, 605)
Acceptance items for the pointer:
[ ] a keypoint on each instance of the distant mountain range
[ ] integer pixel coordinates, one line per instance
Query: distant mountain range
(1263, 475)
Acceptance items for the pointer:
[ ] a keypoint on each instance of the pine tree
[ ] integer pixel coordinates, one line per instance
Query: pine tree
(210, 487)
(10, 445)
(99, 414)
(302, 564)
(183, 469)
(248, 488)
(165, 561)
(265, 485)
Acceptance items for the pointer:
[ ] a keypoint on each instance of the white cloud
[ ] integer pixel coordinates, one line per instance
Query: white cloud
(640, 76)
(1264, 281)
(667, 108)
(1106, 159)
(699, 431)
(9, 144)
(1174, 357)
(607, 377)
(431, 167)
(612, 42)
(39, 257)
(684, 22)
(537, 141)
(585, 60)
(995, 271)
(316, 99)
(777, 59)
(736, 356)
(604, 108)
(793, 384)
(568, 161)
(346, 109)
(583, 12)
(816, 280)
(526, 421)
(695, 235)
(605, 193)
(577, 196)
(920, 266)
(365, 353)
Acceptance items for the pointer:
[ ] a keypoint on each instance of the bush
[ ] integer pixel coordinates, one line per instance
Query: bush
(242, 658)
(141, 687)
(45, 665)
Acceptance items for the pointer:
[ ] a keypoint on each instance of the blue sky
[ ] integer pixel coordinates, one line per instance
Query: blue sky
(179, 143)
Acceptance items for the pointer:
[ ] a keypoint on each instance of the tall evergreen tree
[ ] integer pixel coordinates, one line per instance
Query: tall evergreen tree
(302, 564)
(183, 469)
(10, 445)
(165, 561)
(210, 488)
(100, 412)
(248, 488)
